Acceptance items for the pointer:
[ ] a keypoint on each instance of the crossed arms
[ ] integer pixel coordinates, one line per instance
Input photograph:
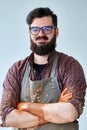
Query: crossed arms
(28, 114)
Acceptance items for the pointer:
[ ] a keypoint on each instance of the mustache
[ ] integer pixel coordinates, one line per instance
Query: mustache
(44, 37)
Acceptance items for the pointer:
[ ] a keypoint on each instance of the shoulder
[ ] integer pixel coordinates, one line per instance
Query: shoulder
(19, 64)
(17, 69)
(68, 61)
(70, 70)
(65, 57)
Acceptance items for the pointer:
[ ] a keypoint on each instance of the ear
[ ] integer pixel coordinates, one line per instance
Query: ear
(57, 32)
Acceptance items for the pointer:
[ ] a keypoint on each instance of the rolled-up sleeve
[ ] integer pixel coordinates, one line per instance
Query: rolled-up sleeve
(74, 80)
(10, 94)
(12, 87)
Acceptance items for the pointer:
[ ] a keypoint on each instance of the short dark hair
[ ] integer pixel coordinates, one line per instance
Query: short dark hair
(41, 12)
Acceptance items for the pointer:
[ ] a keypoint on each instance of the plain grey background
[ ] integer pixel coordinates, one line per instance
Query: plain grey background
(14, 39)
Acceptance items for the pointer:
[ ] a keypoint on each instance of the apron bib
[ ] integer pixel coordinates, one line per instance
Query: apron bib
(44, 91)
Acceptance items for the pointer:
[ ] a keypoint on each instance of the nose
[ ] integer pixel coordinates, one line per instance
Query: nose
(41, 33)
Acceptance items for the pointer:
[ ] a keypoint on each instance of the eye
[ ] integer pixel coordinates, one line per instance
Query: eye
(34, 29)
(48, 28)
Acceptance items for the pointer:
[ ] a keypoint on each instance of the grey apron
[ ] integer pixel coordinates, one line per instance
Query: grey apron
(44, 91)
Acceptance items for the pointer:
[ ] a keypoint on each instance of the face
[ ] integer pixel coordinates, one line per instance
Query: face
(42, 43)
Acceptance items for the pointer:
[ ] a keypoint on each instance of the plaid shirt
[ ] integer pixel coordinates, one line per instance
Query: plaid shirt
(69, 74)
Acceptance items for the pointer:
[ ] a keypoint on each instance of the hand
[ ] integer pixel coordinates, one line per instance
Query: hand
(22, 106)
(65, 97)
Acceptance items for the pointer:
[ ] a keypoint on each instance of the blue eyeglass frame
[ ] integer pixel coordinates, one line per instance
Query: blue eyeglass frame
(44, 29)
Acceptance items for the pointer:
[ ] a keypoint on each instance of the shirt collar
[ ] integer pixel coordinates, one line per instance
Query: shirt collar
(50, 58)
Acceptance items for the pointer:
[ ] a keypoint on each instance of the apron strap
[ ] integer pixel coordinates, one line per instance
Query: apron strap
(26, 74)
(53, 71)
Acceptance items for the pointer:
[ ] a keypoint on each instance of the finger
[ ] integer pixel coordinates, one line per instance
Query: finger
(67, 97)
(66, 100)
(64, 91)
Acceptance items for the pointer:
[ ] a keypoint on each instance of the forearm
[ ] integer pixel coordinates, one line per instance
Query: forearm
(60, 112)
(54, 112)
(22, 119)
(50, 112)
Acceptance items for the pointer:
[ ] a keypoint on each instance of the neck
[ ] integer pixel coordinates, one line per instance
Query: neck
(40, 59)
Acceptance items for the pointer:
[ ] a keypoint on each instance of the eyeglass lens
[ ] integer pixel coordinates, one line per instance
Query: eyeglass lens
(44, 29)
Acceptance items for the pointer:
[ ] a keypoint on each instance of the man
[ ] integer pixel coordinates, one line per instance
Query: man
(46, 90)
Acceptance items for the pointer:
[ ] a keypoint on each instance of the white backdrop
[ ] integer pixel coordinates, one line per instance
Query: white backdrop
(14, 40)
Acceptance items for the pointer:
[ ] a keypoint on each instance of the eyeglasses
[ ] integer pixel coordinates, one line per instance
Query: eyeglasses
(45, 29)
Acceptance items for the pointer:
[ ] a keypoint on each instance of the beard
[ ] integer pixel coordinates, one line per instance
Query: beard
(43, 48)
